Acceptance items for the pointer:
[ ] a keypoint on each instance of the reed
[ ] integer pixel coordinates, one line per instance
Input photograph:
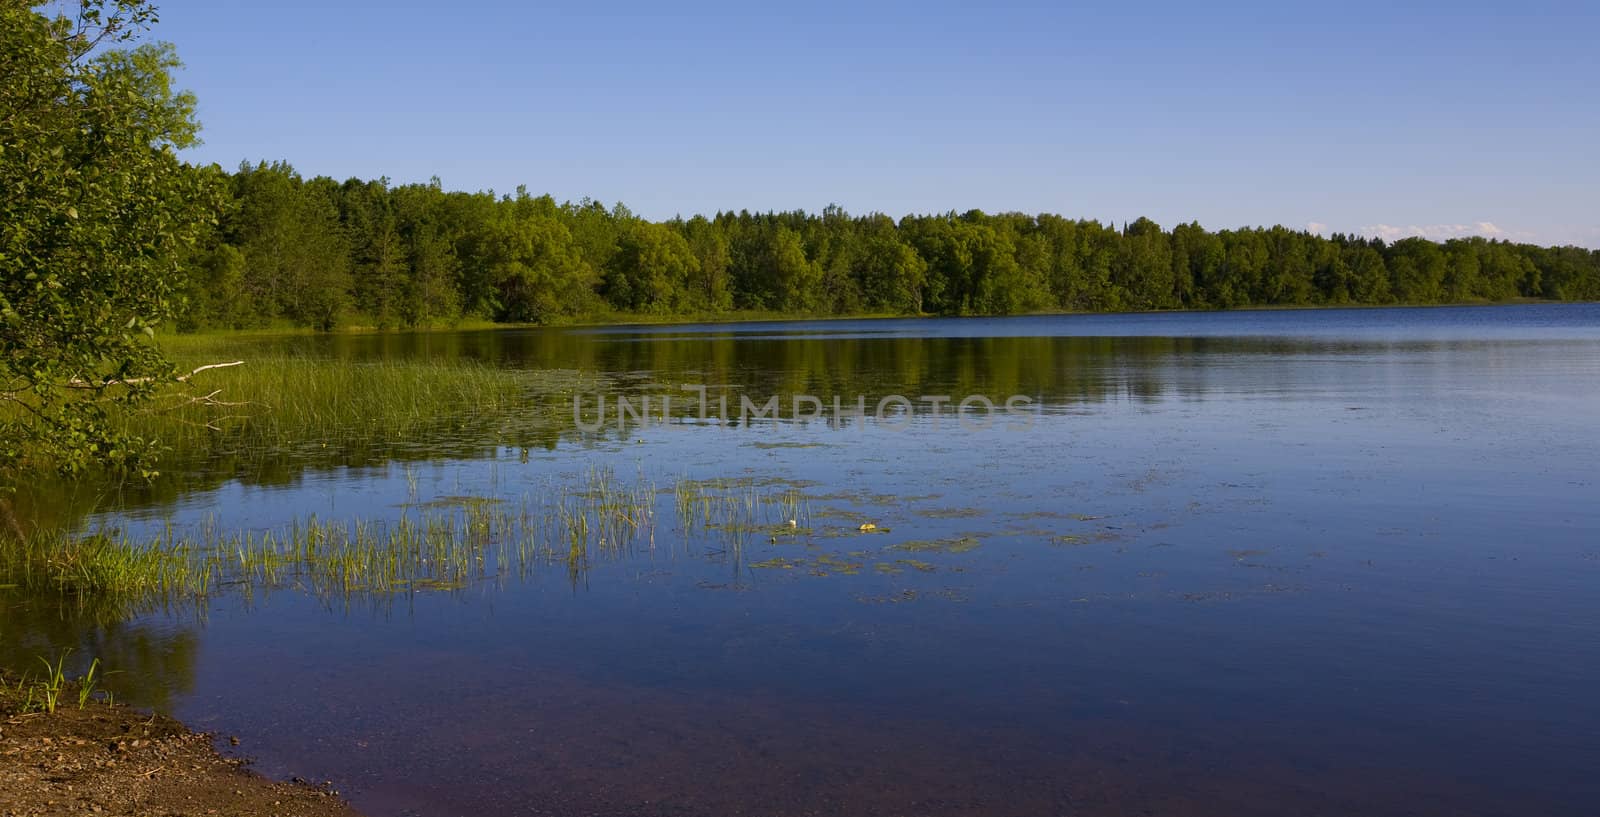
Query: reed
(289, 403)
(440, 545)
(444, 545)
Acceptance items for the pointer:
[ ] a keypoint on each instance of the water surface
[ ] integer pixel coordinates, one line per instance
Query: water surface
(1308, 562)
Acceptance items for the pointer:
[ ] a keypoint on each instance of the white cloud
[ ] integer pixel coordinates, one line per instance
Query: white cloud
(1316, 228)
(1442, 232)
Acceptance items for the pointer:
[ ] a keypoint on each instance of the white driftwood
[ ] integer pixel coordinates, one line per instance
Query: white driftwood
(77, 383)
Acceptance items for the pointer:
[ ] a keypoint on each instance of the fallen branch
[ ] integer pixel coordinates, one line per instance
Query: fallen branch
(185, 377)
(79, 383)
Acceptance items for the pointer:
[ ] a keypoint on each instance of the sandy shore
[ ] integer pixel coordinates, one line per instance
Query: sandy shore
(115, 760)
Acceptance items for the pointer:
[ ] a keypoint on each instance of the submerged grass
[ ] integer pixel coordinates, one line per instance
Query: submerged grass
(958, 544)
(442, 544)
(736, 511)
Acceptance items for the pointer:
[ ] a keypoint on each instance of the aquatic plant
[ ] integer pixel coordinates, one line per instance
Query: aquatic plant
(444, 544)
(958, 544)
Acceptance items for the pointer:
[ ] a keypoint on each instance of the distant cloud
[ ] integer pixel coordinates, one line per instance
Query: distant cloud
(1548, 235)
(1442, 232)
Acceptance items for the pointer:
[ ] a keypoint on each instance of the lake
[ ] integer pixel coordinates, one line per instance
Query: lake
(1248, 563)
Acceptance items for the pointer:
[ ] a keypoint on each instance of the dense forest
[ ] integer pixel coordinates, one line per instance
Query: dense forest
(321, 253)
(107, 235)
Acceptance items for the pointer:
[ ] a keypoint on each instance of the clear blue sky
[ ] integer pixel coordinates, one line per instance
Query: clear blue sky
(1364, 117)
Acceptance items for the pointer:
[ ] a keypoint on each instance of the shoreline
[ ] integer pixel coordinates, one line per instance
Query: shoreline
(739, 317)
(112, 759)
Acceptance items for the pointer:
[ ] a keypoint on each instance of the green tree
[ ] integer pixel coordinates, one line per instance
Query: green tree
(1195, 257)
(1001, 284)
(651, 270)
(431, 290)
(1463, 278)
(890, 271)
(1368, 281)
(537, 270)
(96, 212)
(1290, 272)
(298, 259)
(321, 272)
(263, 228)
(212, 297)
(1503, 270)
(712, 287)
(1143, 270)
(381, 266)
(1417, 267)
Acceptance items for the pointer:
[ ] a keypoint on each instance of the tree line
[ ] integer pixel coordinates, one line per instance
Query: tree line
(321, 253)
(107, 234)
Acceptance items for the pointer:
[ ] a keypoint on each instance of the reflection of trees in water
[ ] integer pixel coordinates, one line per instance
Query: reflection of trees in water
(143, 662)
(1059, 372)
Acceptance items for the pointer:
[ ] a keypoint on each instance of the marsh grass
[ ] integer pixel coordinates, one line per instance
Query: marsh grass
(289, 403)
(277, 402)
(736, 511)
(444, 544)
(451, 543)
(279, 413)
(106, 565)
(282, 409)
(448, 545)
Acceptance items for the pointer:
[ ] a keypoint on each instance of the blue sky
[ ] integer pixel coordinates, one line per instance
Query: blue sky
(1388, 119)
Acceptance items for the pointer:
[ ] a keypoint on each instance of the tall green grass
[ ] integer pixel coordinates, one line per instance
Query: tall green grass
(106, 565)
(278, 406)
(286, 403)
